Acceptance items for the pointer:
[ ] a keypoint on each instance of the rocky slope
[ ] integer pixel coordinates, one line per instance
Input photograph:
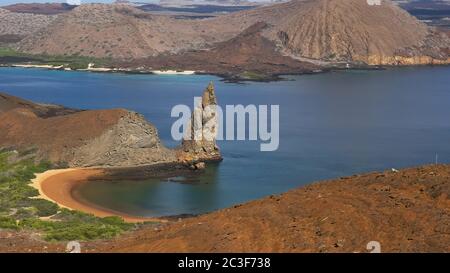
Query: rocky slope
(8, 102)
(108, 138)
(327, 30)
(348, 31)
(352, 30)
(249, 51)
(121, 31)
(405, 211)
(15, 26)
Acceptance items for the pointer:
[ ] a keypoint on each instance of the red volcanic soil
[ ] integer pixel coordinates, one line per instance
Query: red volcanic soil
(54, 136)
(24, 124)
(405, 211)
(8, 102)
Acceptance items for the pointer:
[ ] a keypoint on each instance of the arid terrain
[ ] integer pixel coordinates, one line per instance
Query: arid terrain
(15, 26)
(36, 8)
(405, 211)
(297, 37)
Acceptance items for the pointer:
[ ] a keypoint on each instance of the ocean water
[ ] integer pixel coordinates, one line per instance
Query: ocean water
(331, 125)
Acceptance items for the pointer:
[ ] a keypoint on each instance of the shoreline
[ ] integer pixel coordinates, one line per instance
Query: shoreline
(57, 186)
(227, 78)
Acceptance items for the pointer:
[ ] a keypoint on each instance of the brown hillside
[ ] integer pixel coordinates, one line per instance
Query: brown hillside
(121, 31)
(70, 137)
(38, 8)
(331, 30)
(352, 30)
(15, 26)
(8, 102)
(248, 51)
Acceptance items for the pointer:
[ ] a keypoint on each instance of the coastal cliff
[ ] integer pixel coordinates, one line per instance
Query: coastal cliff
(100, 138)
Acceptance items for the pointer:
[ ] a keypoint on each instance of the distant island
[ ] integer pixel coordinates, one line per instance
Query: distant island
(257, 44)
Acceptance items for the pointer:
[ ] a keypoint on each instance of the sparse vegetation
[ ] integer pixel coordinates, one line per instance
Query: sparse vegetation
(21, 210)
(74, 62)
(254, 76)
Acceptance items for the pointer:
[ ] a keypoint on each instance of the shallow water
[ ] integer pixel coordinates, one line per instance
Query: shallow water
(331, 125)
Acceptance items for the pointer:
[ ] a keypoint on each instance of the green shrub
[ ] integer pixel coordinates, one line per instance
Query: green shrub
(8, 223)
(44, 207)
(20, 210)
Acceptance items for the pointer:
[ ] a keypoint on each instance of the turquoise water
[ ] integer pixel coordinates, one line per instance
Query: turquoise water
(331, 125)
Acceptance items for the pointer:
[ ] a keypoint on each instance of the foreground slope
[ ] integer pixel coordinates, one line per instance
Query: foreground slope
(405, 211)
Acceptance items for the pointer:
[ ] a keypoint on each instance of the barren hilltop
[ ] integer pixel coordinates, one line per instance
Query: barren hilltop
(325, 30)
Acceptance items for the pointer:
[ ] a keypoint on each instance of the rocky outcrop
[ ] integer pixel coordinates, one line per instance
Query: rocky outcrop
(106, 138)
(132, 141)
(199, 143)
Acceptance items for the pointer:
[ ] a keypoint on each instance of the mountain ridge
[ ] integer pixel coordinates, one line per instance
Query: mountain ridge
(335, 31)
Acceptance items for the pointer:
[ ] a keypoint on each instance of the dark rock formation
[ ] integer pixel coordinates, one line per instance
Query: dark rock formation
(199, 143)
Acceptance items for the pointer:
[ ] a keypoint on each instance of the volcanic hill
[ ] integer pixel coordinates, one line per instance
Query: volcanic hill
(326, 30)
